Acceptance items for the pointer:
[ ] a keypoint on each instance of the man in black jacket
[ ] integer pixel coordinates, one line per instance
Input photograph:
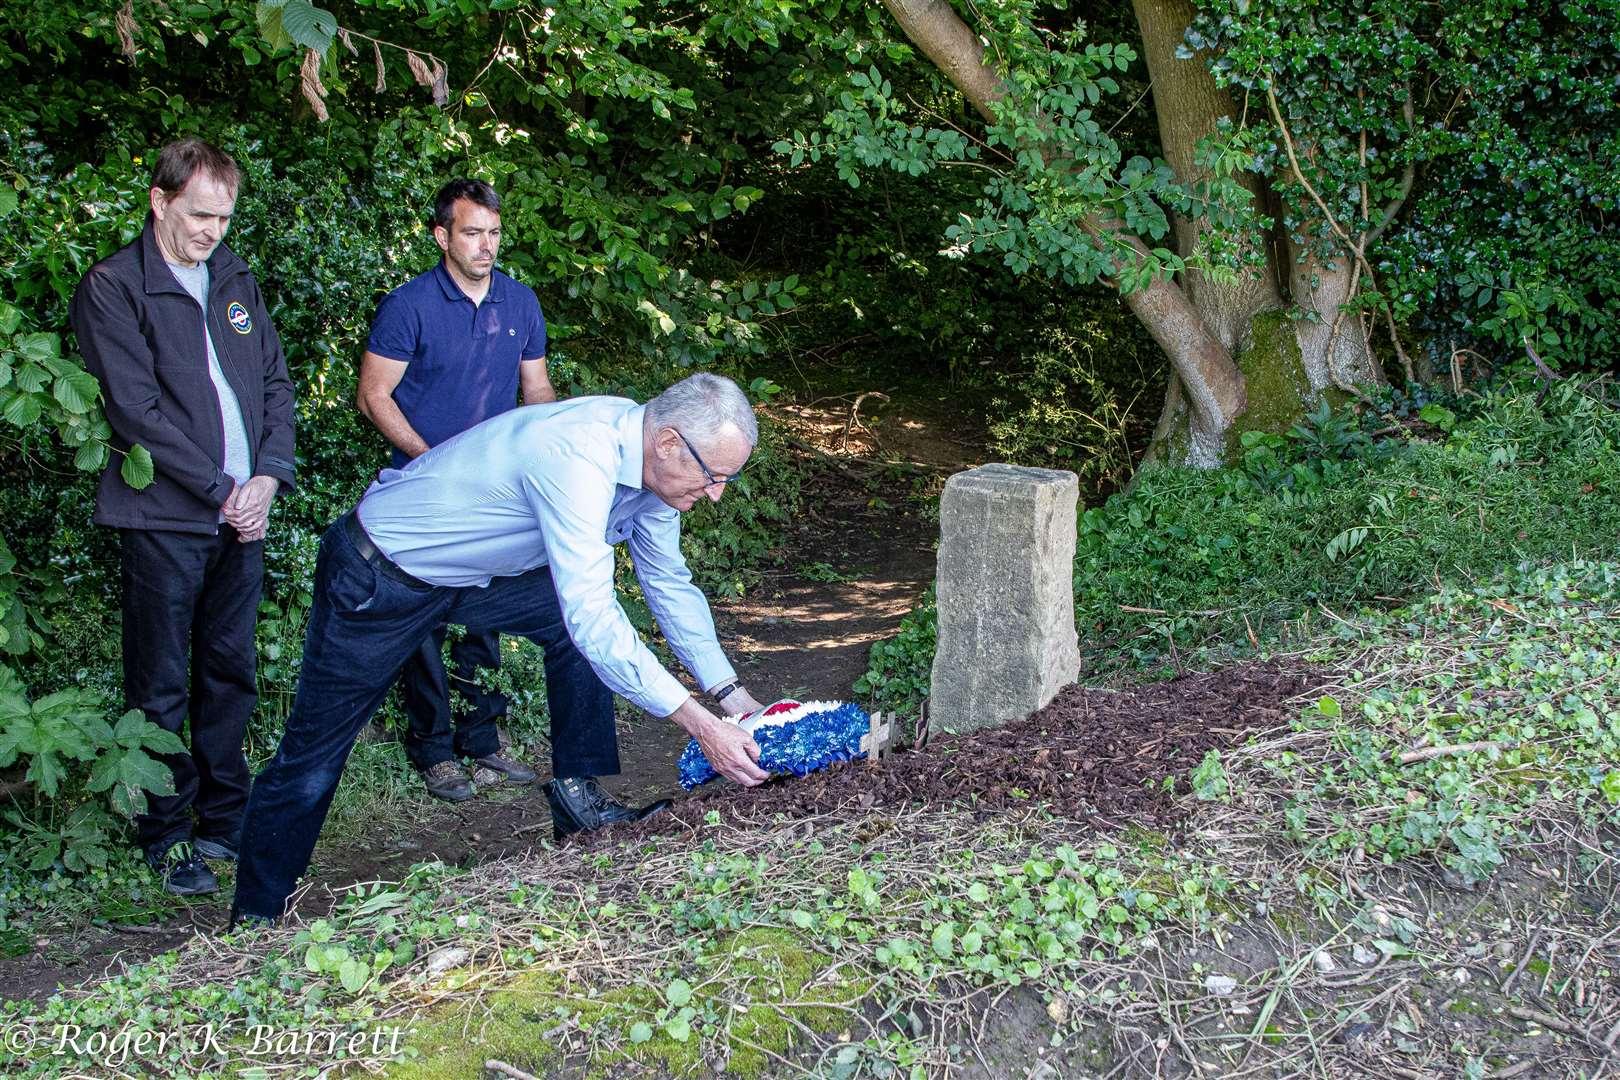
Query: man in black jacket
(175, 328)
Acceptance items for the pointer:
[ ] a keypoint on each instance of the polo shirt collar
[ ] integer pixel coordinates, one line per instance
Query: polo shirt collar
(631, 445)
(452, 291)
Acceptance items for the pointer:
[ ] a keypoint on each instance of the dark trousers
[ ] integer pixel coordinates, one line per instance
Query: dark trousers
(189, 605)
(366, 619)
(433, 734)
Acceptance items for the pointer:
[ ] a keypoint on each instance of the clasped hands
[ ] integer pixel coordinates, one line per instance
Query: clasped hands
(247, 508)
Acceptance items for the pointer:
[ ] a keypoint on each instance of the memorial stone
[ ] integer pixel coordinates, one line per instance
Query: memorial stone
(1007, 641)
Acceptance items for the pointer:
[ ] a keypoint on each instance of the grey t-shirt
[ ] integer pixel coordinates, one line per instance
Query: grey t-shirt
(238, 460)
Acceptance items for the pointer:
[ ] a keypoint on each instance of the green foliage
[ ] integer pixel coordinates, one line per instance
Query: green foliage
(1072, 397)
(1325, 516)
(1520, 715)
(53, 735)
(1505, 110)
(899, 668)
(1058, 194)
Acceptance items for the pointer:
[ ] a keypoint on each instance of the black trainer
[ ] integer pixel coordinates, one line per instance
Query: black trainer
(223, 848)
(579, 804)
(182, 869)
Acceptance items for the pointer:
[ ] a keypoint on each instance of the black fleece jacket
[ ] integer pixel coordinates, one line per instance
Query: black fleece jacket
(139, 333)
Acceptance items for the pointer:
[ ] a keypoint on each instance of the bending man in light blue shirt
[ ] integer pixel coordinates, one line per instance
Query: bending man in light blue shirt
(510, 527)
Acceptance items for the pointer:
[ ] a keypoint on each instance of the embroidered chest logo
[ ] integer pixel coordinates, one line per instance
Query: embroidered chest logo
(238, 317)
(510, 332)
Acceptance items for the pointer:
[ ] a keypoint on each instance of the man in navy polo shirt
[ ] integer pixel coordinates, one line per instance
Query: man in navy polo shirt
(449, 349)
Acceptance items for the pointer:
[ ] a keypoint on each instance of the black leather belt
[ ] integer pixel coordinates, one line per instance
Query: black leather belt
(357, 536)
(372, 554)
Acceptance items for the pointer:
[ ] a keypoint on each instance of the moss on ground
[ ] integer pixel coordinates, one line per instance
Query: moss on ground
(762, 985)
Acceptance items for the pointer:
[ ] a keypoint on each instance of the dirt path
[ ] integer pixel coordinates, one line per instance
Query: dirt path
(855, 563)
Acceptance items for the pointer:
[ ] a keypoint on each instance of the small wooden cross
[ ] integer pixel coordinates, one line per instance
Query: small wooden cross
(878, 739)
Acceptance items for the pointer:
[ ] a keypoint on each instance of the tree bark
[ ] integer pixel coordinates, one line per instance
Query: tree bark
(1188, 105)
(1333, 344)
(1214, 389)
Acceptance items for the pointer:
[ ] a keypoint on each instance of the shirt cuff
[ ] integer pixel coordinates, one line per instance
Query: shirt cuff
(711, 668)
(664, 698)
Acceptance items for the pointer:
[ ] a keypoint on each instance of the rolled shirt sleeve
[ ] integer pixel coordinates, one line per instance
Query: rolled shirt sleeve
(572, 501)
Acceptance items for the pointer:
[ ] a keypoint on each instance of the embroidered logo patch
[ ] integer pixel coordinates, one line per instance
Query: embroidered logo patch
(238, 317)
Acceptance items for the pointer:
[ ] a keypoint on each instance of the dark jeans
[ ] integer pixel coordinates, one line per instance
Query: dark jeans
(367, 618)
(189, 605)
(426, 685)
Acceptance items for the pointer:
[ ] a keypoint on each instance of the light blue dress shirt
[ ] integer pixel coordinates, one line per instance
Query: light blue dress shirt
(556, 484)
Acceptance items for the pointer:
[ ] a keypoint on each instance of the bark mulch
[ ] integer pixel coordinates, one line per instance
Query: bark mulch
(1091, 754)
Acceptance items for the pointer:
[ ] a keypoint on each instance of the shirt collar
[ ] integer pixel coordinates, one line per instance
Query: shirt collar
(631, 445)
(452, 291)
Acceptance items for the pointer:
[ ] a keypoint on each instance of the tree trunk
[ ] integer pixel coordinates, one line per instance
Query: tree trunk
(1333, 343)
(1214, 393)
(1188, 105)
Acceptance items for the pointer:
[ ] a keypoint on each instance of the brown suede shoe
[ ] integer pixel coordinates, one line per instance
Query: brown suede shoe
(448, 781)
(497, 767)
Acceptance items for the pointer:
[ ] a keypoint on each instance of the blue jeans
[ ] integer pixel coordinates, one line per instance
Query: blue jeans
(367, 618)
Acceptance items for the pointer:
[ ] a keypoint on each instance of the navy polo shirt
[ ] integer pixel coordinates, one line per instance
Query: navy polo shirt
(463, 356)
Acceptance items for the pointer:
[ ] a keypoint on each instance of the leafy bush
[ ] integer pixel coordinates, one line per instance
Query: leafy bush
(1328, 516)
(1069, 398)
(67, 727)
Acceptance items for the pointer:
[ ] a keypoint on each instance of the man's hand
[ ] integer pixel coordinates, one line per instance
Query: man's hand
(731, 750)
(247, 508)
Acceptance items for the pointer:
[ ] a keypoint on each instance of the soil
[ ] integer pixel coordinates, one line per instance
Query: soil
(1099, 756)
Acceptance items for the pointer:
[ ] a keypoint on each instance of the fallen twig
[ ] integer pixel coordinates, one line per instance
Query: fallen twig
(1507, 984)
(495, 1065)
(1412, 757)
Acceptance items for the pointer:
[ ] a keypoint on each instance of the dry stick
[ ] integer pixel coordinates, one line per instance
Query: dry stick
(1507, 984)
(1361, 259)
(497, 1066)
(1412, 757)
(855, 412)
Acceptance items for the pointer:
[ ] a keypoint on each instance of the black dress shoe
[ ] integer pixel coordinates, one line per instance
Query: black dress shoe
(578, 804)
(181, 868)
(221, 848)
(242, 920)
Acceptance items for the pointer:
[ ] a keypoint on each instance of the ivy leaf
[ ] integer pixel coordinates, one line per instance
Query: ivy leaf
(137, 469)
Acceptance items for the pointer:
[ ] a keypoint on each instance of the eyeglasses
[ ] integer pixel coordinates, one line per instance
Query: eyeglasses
(707, 475)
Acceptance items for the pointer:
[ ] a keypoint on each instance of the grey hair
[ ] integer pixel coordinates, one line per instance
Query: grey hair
(701, 406)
